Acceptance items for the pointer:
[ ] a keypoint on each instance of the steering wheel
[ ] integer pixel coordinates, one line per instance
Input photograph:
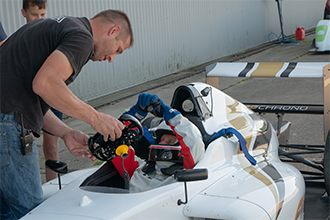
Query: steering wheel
(106, 150)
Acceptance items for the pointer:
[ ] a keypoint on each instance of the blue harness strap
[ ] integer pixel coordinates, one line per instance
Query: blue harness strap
(148, 136)
(241, 140)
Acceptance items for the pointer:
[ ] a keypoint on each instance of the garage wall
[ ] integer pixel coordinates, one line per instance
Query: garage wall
(172, 35)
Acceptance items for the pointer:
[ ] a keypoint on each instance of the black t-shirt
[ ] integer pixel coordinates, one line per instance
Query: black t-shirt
(24, 52)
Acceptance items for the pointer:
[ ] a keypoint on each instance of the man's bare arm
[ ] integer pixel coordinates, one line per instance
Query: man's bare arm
(49, 84)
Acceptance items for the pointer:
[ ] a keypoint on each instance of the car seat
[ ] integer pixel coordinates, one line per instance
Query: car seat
(187, 100)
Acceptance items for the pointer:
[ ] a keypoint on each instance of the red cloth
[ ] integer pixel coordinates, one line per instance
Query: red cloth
(129, 163)
(188, 160)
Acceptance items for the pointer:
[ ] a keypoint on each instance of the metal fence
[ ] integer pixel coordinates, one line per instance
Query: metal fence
(172, 35)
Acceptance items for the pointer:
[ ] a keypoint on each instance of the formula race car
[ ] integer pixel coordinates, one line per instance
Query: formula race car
(239, 177)
(320, 170)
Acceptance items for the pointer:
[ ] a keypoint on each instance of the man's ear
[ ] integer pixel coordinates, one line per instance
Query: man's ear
(114, 30)
(23, 13)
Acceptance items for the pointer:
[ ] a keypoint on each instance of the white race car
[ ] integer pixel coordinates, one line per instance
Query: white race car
(240, 176)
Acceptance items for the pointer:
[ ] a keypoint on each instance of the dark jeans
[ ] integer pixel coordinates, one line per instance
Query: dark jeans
(20, 183)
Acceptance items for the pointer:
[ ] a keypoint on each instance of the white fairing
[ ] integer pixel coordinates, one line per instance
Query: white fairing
(235, 189)
(52, 187)
(268, 69)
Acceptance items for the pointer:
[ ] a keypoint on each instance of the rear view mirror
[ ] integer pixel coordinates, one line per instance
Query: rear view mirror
(56, 166)
(191, 175)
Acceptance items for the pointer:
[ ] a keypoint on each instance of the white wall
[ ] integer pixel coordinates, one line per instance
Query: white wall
(172, 35)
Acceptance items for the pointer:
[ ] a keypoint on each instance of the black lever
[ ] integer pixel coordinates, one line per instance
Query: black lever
(58, 167)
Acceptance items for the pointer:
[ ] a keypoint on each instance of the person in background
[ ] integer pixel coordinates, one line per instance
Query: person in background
(327, 11)
(3, 35)
(34, 9)
(34, 76)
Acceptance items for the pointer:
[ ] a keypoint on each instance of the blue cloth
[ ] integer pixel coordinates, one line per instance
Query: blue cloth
(20, 183)
(58, 114)
(5, 212)
(169, 112)
(147, 100)
(241, 140)
(148, 136)
(151, 103)
(140, 109)
(2, 33)
(136, 112)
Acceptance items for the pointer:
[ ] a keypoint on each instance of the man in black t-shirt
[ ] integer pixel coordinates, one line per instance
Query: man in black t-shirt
(37, 63)
(33, 10)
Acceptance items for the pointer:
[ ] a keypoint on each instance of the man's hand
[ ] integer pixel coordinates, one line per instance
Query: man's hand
(152, 103)
(107, 126)
(148, 102)
(143, 106)
(77, 143)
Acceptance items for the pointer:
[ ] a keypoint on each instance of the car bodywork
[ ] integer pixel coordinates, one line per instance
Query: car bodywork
(289, 70)
(234, 189)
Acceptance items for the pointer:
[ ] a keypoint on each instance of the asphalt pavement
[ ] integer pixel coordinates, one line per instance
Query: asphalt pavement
(306, 129)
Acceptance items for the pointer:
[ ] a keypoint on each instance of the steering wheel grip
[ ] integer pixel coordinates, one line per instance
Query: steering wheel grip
(106, 150)
(134, 123)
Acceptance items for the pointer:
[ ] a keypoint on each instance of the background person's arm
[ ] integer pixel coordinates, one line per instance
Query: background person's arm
(3, 35)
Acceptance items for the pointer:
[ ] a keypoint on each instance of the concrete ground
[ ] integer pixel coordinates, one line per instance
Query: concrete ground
(305, 129)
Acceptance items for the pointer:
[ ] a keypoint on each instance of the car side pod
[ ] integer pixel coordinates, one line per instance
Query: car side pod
(188, 176)
(57, 167)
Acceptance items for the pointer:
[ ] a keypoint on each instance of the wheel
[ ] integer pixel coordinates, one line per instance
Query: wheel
(133, 131)
(326, 164)
(106, 150)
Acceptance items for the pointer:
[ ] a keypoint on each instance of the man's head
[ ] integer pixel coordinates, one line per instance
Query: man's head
(170, 152)
(112, 33)
(34, 9)
(165, 135)
(168, 139)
